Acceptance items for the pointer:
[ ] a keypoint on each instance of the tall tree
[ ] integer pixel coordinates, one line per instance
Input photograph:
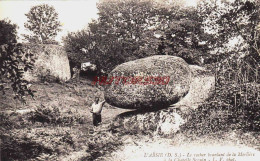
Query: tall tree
(229, 20)
(7, 32)
(43, 23)
(234, 20)
(180, 33)
(117, 35)
(132, 29)
(14, 61)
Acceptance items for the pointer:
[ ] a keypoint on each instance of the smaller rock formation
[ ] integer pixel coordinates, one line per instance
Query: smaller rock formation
(50, 61)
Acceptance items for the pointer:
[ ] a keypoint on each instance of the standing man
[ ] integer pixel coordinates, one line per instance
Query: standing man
(96, 109)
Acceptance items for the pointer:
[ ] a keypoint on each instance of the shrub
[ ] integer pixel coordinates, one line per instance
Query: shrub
(54, 115)
(13, 120)
(18, 148)
(235, 104)
(101, 141)
(40, 143)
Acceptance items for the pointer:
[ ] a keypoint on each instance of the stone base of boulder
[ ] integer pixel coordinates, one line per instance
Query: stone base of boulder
(164, 122)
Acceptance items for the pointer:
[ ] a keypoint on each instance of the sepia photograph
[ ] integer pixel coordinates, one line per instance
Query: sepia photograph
(129, 80)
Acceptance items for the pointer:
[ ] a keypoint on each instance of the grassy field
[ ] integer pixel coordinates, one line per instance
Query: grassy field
(57, 125)
(53, 124)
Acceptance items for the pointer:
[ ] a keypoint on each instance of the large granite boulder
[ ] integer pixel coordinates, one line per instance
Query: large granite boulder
(168, 121)
(174, 72)
(51, 61)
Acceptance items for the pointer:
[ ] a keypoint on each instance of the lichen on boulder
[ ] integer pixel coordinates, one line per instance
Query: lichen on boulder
(146, 96)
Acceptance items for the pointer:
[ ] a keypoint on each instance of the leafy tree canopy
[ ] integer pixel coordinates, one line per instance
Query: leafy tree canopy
(43, 23)
(14, 61)
(232, 19)
(7, 32)
(131, 29)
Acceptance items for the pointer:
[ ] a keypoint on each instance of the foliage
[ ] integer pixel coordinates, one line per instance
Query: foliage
(110, 40)
(36, 143)
(41, 115)
(13, 121)
(235, 104)
(47, 141)
(232, 20)
(7, 32)
(75, 41)
(53, 115)
(233, 107)
(101, 141)
(180, 33)
(43, 23)
(40, 134)
(131, 29)
(14, 61)
(19, 148)
(75, 59)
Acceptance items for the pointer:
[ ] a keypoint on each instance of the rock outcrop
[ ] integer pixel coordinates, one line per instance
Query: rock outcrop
(50, 61)
(149, 93)
(168, 121)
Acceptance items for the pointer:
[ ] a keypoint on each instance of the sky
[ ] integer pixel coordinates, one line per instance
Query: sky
(73, 14)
